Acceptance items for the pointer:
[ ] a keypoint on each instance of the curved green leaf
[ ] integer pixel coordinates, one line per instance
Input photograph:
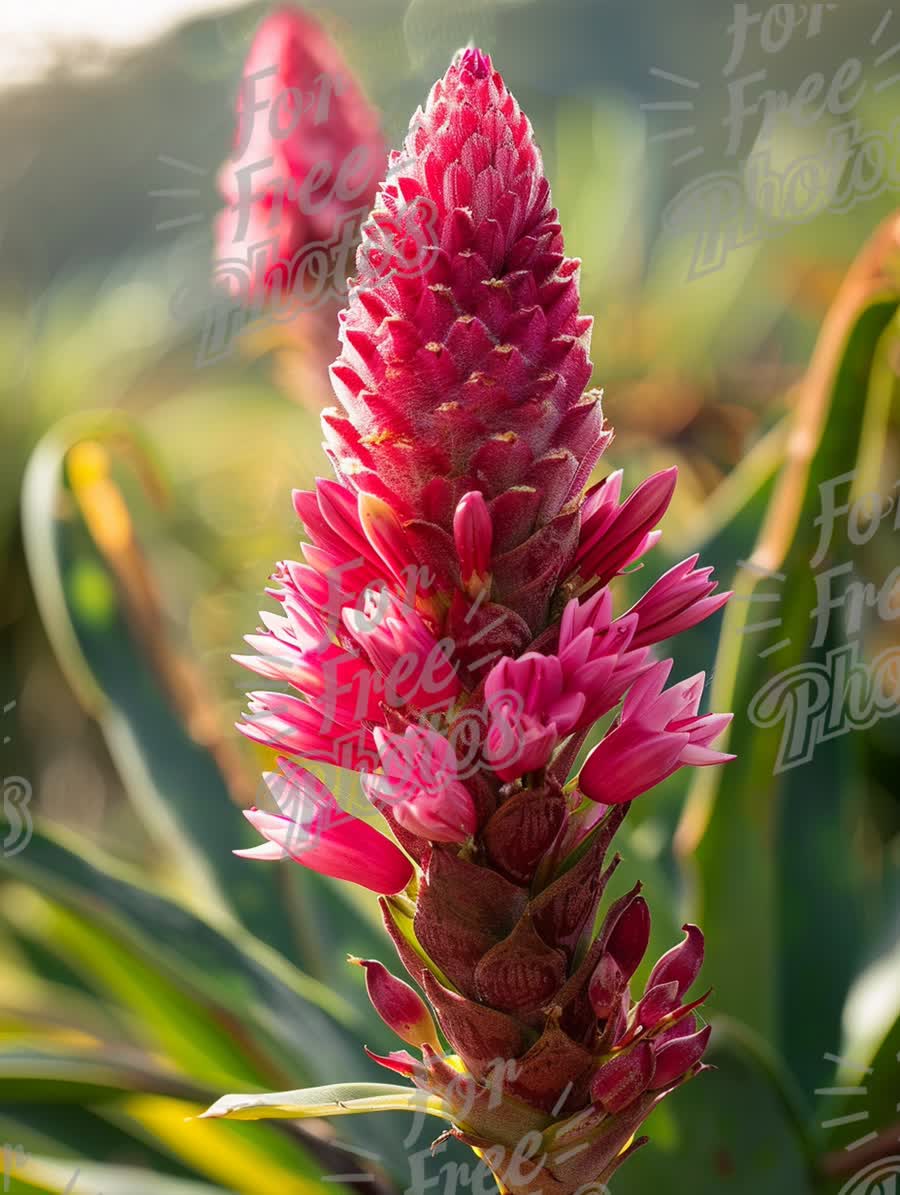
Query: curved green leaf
(281, 1009)
(731, 826)
(858, 1109)
(86, 1077)
(95, 592)
(118, 1103)
(83, 1135)
(178, 972)
(65, 1178)
(339, 1099)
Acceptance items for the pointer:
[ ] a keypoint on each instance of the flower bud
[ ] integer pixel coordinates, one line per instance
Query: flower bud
(448, 816)
(473, 533)
(605, 987)
(682, 1028)
(612, 535)
(398, 1005)
(657, 1002)
(677, 1057)
(621, 1080)
(681, 964)
(630, 937)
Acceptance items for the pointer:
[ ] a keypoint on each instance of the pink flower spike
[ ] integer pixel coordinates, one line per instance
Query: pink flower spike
(306, 158)
(452, 635)
(319, 835)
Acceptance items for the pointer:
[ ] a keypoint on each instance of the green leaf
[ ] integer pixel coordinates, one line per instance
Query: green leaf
(65, 1178)
(189, 1030)
(85, 1077)
(203, 984)
(140, 1104)
(82, 1135)
(248, 984)
(95, 591)
(340, 1099)
(860, 1100)
(247, 1159)
(730, 832)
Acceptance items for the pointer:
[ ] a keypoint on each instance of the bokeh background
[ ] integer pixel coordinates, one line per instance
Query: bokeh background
(145, 495)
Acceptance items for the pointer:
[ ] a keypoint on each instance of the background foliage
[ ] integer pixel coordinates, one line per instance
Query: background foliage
(143, 500)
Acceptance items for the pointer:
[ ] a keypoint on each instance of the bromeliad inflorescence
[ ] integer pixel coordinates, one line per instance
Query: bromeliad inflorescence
(450, 636)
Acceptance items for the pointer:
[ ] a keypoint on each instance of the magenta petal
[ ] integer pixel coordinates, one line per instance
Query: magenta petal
(400, 1061)
(473, 534)
(677, 1057)
(627, 762)
(269, 851)
(334, 843)
(681, 964)
(647, 688)
(703, 757)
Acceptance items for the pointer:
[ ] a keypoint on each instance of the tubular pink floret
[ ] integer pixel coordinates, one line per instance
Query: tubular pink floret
(312, 829)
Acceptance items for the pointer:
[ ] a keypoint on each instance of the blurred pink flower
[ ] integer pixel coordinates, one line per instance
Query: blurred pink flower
(306, 159)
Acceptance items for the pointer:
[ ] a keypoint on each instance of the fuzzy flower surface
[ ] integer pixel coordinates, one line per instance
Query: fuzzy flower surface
(449, 634)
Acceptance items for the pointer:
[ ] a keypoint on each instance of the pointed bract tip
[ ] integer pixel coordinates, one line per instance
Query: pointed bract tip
(475, 61)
